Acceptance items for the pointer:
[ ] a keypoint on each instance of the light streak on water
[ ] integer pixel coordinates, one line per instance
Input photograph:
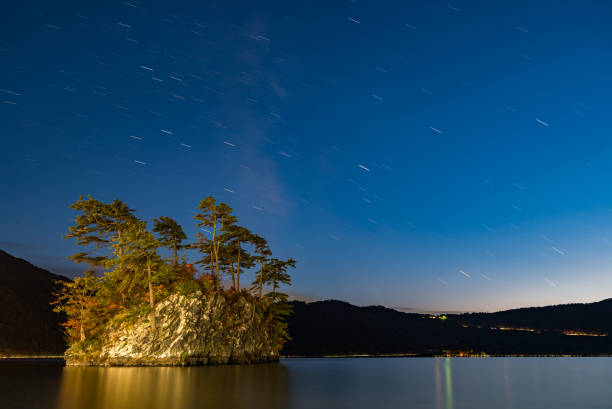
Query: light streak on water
(438, 395)
(449, 384)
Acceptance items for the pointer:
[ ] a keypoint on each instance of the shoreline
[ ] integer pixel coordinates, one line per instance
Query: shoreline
(447, 356)
(61, 357)
(6, 357)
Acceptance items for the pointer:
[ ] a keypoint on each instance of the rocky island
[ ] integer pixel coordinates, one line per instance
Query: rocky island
(145, 309)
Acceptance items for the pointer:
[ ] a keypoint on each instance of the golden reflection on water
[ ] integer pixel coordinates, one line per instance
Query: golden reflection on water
(228, 387)
(352, 383)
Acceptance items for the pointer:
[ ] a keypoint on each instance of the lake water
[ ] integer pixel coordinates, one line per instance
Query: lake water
(351, 383)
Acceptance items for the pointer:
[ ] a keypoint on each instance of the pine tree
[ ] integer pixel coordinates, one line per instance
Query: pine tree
(276, 274)
(171, 235)
(141, 258)
(279, 309)
(236, 255)
(218, 219)
(98, 225)
(262, 254)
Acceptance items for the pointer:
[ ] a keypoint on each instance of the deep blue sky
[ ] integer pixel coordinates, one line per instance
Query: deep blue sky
(482, 130)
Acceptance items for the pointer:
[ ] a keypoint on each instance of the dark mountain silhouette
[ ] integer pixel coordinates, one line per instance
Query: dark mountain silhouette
(339, 328)
(594, 317)
(28, 325)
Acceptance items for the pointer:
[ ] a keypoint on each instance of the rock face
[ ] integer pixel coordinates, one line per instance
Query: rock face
(192, 330)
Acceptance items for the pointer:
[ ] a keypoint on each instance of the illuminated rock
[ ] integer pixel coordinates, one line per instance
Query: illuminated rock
(192, 330)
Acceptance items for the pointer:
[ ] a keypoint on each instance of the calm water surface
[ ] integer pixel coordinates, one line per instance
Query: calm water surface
(354, 383)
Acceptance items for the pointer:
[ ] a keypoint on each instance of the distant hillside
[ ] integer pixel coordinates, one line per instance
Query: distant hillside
(28, 326)
(594, 317)
(339, 328)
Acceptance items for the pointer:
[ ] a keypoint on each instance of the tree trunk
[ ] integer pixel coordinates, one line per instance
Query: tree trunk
(212, 271)
(151, 295)
(238, 269)
(233, 275)
(175, 253)
(82, 330)
(120, 248)
(217, 266)
(261, 280)
(215, 250)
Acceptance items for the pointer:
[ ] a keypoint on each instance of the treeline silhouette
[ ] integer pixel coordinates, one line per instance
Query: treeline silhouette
(594, 317)
(338, 328)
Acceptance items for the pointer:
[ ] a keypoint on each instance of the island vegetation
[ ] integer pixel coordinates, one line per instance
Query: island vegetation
(134, 266)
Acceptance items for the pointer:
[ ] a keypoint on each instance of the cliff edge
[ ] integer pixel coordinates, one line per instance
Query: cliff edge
(190, 330)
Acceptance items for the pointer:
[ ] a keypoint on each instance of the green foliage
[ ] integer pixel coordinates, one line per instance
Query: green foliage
(131, 315)
(136, 276)
(278, 313)
(98, 226)
(275, 272)
(262, 254)
(236, 237)
(171, 235)
(217, 220)
(208, 283)
(187, 288)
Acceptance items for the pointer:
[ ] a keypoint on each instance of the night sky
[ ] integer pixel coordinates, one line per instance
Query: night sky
(419, 155)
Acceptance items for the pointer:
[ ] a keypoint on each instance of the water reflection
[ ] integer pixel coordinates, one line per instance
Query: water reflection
(231, 387)
(447, 397)
(385, 383)
(438, 395)
(449, 383)
(507, 390)
(29, 383)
